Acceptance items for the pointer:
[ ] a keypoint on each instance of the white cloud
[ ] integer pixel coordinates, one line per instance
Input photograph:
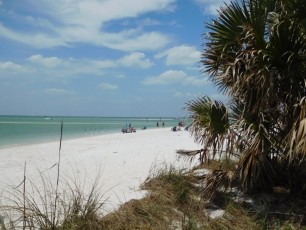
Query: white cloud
(148, 22)
(39, 40)
(70, 21)
(168, 77)
(211, 6)
(57, 91)
(11, 66)
(58, 67)
(135, 59)
(181, 55)
(49, 62)
(38, 22)
(103, 64)
(133, 41)
(107, 86)
(93, 13)
(186, 95)
(174, 77)
(195, 81)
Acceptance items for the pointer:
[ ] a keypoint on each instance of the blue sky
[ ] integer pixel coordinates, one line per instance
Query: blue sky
(102, 57)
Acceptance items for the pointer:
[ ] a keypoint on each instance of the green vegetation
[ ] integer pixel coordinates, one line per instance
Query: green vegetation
(256, 54)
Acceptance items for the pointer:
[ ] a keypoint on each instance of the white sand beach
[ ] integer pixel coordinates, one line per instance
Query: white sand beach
(122, 161)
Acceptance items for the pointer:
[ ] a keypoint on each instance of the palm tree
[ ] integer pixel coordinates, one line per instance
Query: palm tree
(210, 127)
(256, 54)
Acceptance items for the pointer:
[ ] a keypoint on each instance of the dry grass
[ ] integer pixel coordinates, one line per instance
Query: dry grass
(171, 197)
(174, 202)
(225, 164)
(235, 217)
(35, 208)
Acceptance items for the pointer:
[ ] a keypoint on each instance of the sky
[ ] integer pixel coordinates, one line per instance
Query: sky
(103, 57)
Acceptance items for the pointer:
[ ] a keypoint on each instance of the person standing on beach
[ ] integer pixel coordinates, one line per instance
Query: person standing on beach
(157, 124)
(163, 124)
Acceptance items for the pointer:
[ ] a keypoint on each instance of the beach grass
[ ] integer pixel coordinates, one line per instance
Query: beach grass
(173, 201)
(35, 208)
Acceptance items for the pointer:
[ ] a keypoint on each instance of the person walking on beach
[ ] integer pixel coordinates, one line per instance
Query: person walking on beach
(163, 124)
(157, 124)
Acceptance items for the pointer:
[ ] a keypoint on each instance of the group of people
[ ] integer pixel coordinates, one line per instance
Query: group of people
(180, 127)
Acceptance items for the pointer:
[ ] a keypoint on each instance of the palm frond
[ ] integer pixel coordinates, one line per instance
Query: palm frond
(210, 124)
(255, 168)
(297, 137)
(191, 154)
(216, 180)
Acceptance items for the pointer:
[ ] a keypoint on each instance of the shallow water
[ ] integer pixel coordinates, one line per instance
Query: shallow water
(17, 130)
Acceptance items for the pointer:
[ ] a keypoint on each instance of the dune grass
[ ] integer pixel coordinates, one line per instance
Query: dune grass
(174, 201)
(171, 197)
(35, 208)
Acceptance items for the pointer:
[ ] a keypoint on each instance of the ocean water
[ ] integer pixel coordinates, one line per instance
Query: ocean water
(19, 130)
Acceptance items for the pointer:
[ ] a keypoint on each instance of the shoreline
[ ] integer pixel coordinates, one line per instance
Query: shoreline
(73, 137)
(32, 130)
(121, 161)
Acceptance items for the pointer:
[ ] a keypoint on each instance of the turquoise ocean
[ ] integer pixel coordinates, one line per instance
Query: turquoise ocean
(20, 130)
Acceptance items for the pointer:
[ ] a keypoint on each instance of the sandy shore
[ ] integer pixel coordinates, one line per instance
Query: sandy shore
(122, 161)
